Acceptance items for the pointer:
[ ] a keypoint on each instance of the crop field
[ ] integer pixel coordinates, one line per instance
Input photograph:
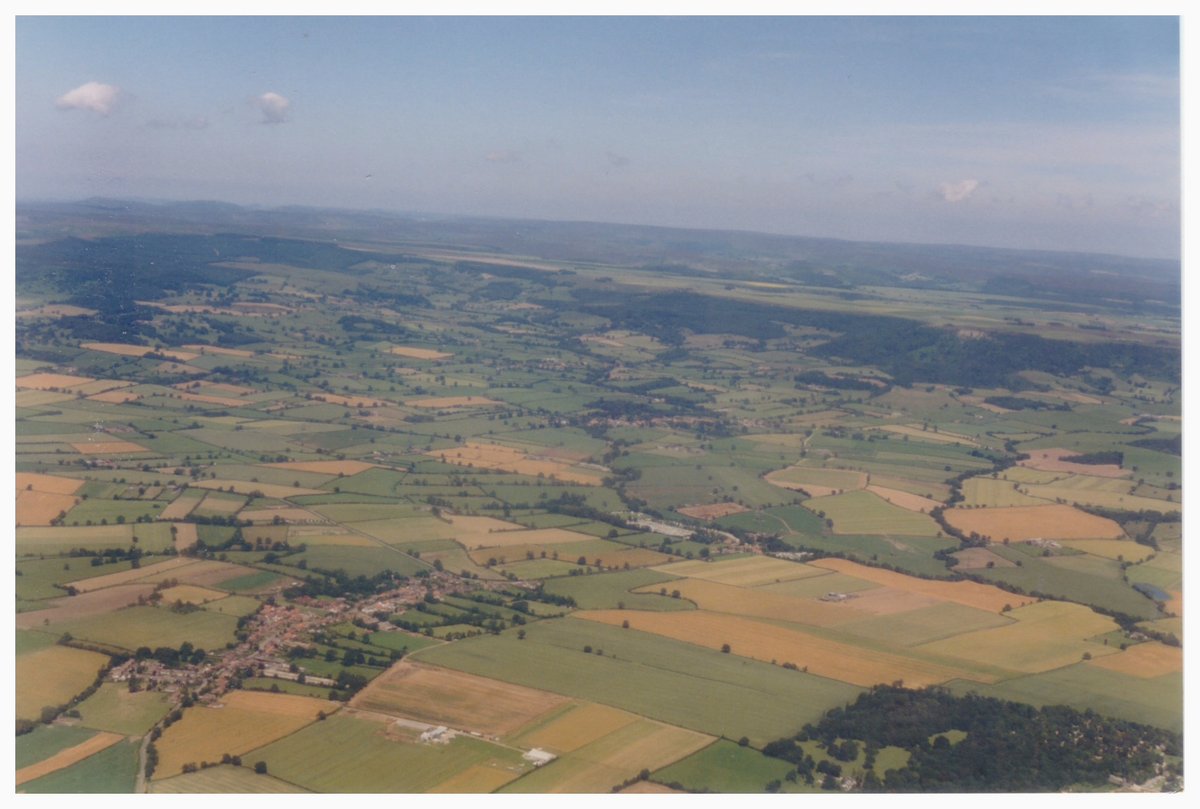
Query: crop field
(338, 468)
(223, 778)
(748, 571)
(867, 513)
(923, 624)
(153, 627)
(1118, 549)
(65, 758)
(507, 459)
(116, 709)
(1150, 659)
(419, 353)
(1080, 489)
(1033, 522)
(766, 642)
(970, 594)
(998, 493)
(905, 500)
(246, 720)
(351, 754)
(613, 758)
(190, 594)
(265, 489)
(724, 767)
(608, 590)
(456, 699)
(1050, 460)
(712, 512)
(651, 675)
(473, 538)
(112, 770)
(1043, 636)
(52, 676)
(818, 482)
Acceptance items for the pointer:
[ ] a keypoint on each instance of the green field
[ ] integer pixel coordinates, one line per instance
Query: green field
(608, 590)
(724, 767)
(868, 513)
(112, 770)
(224, 778)
(132, 627)
(657, 677)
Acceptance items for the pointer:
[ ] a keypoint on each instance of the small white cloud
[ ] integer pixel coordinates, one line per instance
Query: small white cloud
(99, 98)
(502, 156)
(273, 107)
(958, 192)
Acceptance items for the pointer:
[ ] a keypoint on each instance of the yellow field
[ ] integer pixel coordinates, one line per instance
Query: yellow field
(1033, 522)
(52, 676)
(46, 483)
(1151, 659)
(37, 398)
(247, 720)
(749, 571)
(39, 508)
(246, 487)
(967, 593)
(348, 401)
(65, 758)
(712, 511)
(420, 353)
(474, 780)
(530, 536)
(191, 594)
(767, 642)
(180, 507)
(185, 536)
(1070, 491)
(507, 459)
(326, 467)
(753, 603)
(905, 500)
(972, 558)
(166, 569)
(1044, 636)
(1050, 460)
(1128, 550)
(453, 402)
(581, 724)
(108, 447)
(455, 699)
(227, 401)
(221, 504)
(1026, 474)
(129, 350)
(51, 381)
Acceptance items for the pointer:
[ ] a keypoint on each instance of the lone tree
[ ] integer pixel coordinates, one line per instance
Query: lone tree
(725, 648)
(260, 767)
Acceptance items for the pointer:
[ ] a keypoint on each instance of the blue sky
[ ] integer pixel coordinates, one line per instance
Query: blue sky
(1043, 132)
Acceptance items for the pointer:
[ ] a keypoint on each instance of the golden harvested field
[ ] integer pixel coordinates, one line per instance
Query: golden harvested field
(507, 459)
(246, 487)
(52, 676)
(450, 402)
(115, 397)
(1050, 460)
(1043, 636)
(108, 448)
(1026, 474)
(999, 493)
(715, 597)
(1151, 659)
(68, 608)
(472, 540)
(767, 642)
(967, 593)
(185, 536)
(245, 721)
(474, 780)
(713, 511)
(1033, 522)
(191, 594)
(932, 435)
(973, 558)
(51, 381)
(580, 724)
(130, 350)
(905, 500)
(1071, 491)
(39, 508)
(228, 352)
(46, 483)
(65, 758)
(455, 699)
(817, 482)
(221, 504)
(419, 353)
(749, 571)
(1125, 549)
(182, 505)
(326, 467)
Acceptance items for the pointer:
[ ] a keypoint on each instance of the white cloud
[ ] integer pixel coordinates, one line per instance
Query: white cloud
(273, 107)
(958, 192)
(94, 96)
